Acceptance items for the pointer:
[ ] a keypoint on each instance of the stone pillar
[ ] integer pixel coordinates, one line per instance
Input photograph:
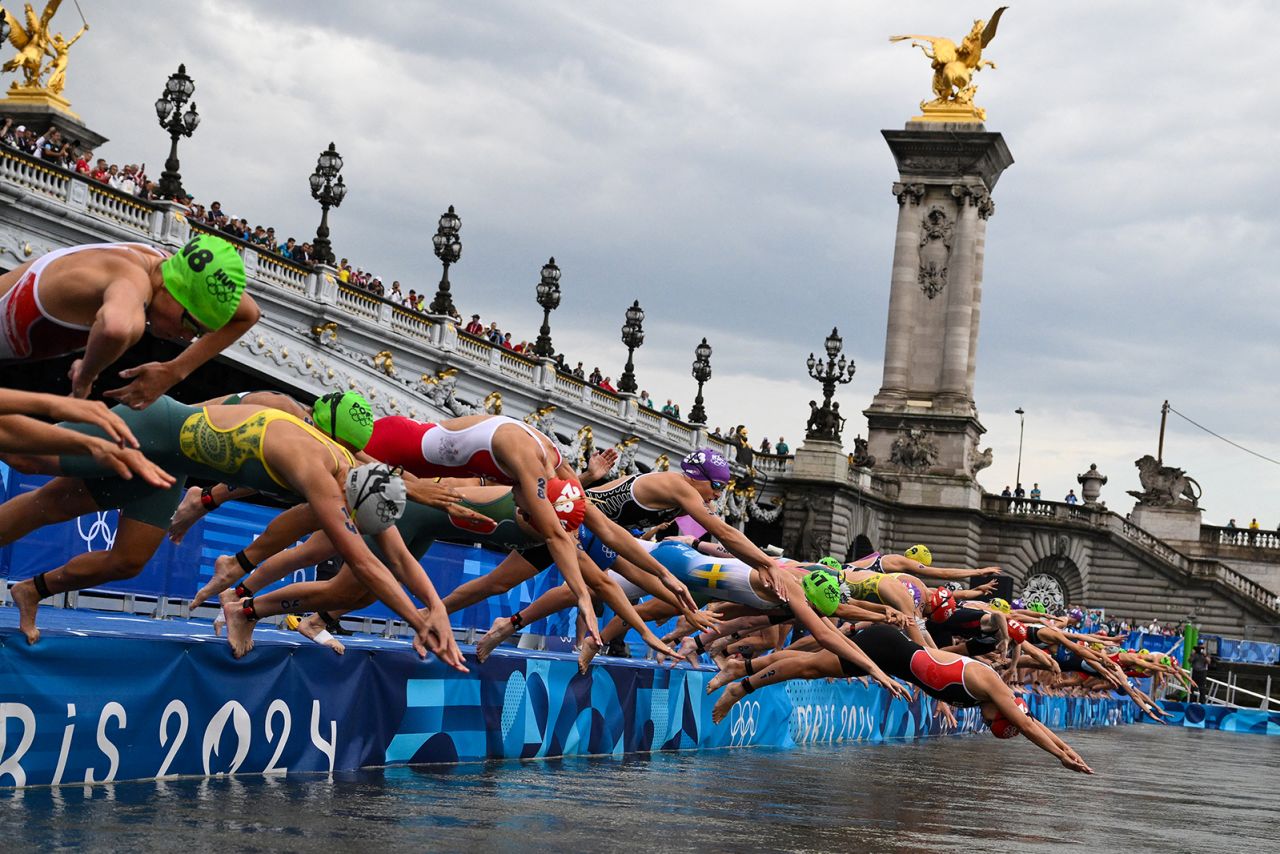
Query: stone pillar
(923, 425)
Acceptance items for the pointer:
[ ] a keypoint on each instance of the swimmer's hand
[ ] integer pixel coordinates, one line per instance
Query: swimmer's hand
(771, 578)
(435, 635)
(600, 464)
(988, 570)
(94, 412)
(682, 594)
(446, 498)
(894, 617)
(893, 686)
(1072, 762)
(701, 621)
(948, 715)
(149, 382)
(126, 462)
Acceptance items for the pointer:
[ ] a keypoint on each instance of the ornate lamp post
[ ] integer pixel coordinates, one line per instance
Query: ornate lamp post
(825, 421)
(329, 193)
(1022, 426)
(549, 299)
(701, 373)
(177, 91)
(632, 337)
(4, 28)
(448, 247)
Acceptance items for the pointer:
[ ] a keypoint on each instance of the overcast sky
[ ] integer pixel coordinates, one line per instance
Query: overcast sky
(722, 162)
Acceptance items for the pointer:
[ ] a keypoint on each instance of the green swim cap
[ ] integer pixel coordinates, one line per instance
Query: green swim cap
(1037, 607)
(831, 562)
(207, 278)
(822, 589)
(344, 415)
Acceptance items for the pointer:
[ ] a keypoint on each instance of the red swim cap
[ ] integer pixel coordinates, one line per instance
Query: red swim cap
(940, 605)
(1002, 727)
(1017, 631)
(569, 501)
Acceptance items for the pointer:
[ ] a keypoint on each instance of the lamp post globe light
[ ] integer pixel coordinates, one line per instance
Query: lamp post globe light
(632, 337)
(825, 422)
(701, 373)
(448, 248)
(328, 189)
(179, 123)
(549, 299)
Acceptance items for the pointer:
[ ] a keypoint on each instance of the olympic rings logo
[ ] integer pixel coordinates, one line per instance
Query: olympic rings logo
(743, 722)
(99, 529)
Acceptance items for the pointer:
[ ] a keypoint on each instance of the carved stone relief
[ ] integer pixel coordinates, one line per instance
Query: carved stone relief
(935, 251)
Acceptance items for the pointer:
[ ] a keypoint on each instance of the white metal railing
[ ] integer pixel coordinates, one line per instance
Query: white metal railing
(411, 324)
(358, 302)
(282, 273)
(475, 349)
(604, 402)
(1232, 689)
(516, 366)
(25, 173)
(120, 208)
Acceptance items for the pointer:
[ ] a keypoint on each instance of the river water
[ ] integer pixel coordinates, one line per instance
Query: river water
(1157, 789)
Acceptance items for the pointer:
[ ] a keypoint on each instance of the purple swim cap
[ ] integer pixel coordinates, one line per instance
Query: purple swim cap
(1019, 604)
(706, 464)
(1076, 614)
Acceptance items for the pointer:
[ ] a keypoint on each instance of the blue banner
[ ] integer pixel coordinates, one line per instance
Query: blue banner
(1225, 718)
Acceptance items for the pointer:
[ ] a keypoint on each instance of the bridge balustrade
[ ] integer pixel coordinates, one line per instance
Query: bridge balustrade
(1249, 538)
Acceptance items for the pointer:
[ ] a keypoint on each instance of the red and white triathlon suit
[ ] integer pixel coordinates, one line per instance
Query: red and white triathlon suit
(27, 330)
(430, 450)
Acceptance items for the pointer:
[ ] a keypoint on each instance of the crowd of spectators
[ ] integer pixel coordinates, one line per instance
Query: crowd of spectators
(131, 179)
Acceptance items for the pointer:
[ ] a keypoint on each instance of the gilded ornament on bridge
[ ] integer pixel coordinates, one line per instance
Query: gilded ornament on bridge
(662, 463)
(325, 330)
(385, 362)
(953, 69)
(35, 42)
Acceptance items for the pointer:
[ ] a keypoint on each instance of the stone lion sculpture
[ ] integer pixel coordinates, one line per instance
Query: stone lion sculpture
(1165, 486)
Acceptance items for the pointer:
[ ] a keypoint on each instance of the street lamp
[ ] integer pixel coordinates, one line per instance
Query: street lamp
(329, 193)
(632, 337)
(448, 248)
(4, 27)
(825, 421)
(549, 299)
(701, 373)
(1022, 424)
(177, 91)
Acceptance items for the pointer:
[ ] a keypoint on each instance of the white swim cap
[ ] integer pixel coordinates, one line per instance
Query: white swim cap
(376, 496)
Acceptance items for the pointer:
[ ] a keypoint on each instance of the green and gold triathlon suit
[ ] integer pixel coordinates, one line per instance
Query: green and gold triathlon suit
(420, 526)
(182, 441)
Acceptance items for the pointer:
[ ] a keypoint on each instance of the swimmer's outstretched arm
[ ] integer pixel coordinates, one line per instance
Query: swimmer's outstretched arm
(982, 682)
(29, 446)
(900, 563)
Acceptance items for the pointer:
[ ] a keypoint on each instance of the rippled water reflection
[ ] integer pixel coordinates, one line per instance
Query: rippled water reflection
(1156, 790)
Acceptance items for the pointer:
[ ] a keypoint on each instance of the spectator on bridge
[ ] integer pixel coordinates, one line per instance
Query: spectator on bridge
(1035, 492)
(396, 296)
(84, 162)
(579, 373)
(669, 408)
(1071, 497)
(494, 334)
(1019, 492)
(596, 376)
(1200, 662)
(344, 271)
(607, 385)
(100, 171)
(506, 341)
(523, 347)
(645, 400)
(304, 254)
(765, 447)
(1253, 524)
(1231, 523)
(1008, 493)
(286, 248)
(675, 410)
(475, 327)
(782, 449)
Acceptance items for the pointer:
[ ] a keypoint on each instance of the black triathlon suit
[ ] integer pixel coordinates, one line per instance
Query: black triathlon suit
(620, 505)
(893, 652)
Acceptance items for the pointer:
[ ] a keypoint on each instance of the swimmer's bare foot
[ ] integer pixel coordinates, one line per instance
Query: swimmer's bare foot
(188, 513)
(27, 600)
(313, 627)
(239, 628)
(220, 619)
(589, 651)
(501, 629)
(733, 669)
(731, 696)
(688, 649)
(226, 572)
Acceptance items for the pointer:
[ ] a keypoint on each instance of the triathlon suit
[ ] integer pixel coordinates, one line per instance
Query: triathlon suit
(900, 657)
(711, 578)
(181, 440)
(965, 622)
(620, 504)
(431, 450)
(27, 330)
(421, 525)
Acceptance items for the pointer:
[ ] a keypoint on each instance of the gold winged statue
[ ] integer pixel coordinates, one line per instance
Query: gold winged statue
(31, 42)
(953, 69)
